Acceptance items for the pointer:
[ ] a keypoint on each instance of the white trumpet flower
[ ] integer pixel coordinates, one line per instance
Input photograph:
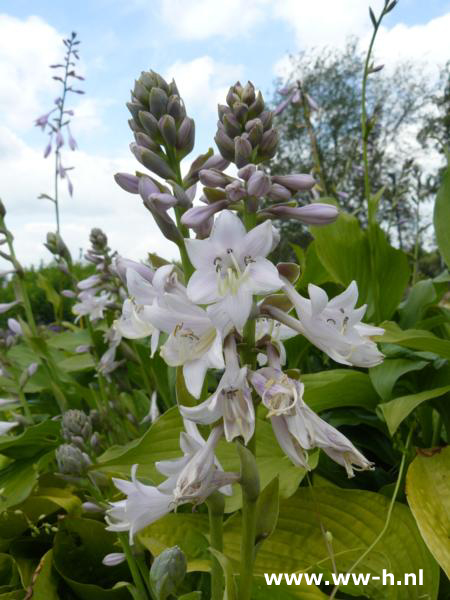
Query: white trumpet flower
(297, 427)
(334, 325)
(232, 401)
(6, 426)
(90, 305)
(231, 266)
(191, 478)
(194, 340)
(276, 332)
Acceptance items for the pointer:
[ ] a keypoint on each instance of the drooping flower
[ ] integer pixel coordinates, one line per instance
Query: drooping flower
(333, 325)
(90, 305)
(194, 340)
(297, 427)
(232, 400)
(276, 333)
(191, 478)
(231, 266)
(6, 426)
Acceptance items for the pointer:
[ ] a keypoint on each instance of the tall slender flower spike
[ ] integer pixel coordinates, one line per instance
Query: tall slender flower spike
(334, 325)
(232, 400)
(297, 427)
(194, 340)
(231, 267)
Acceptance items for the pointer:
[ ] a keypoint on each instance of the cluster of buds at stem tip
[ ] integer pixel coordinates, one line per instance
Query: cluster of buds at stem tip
(76, 427)
(245, 133)
(56, 245)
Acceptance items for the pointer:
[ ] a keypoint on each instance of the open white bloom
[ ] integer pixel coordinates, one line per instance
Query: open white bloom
(334, 325)
(6, 426)
(134, 322)
(194, 340)
(297, 427)
(191, 478)
(276, 333)
(231, 266)
(90, 305)
(232, 400)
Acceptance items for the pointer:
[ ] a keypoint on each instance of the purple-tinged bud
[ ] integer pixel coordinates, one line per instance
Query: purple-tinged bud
(240, 111)
(231, 125)
(311, 103)
(163, 201)
(7, 306)
(197, 215)
(175, 108)
(89, 282)
(295, 183)
(142, 139)
(15, 326)
(256, 133)
(48, 148)
(168, 130)
(256, 108)
(140, 92)
(122, 264)
(128, 182)
(186, 136)
(312, 214)
(32, 368)
(164, 222)
(71, 140)
(231, 98)
(91, 507)
(114, 559)
(281, 107)
(82, 349)
(246, 172)
(269, 143)
(68, 294)
(259, 184)
(279, 192)
(373, 69)
(248, 93)
(242, 151)
(266, 118)
(59, 139)
(216, 162)
(214, 178)
(146, 187)
(225, 145)
(152, 161)
(184, 198)
(235, 191)
(135, 108)
(158, 102)
(150, 124)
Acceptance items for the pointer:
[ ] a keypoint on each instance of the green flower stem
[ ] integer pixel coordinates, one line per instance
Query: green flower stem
(24, 404)
(389, 512)
(135, 572)
(314, 145)
(216, 505)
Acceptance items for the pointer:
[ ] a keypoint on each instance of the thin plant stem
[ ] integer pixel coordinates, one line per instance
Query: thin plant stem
(389, 512)
(216, 505)
(134, 568)
(314, 145)
(247, 547)
(24, 404)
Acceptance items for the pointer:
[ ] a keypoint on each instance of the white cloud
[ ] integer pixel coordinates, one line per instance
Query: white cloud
(201, 19)
(203, 81)
(26, 50)
(97, 202)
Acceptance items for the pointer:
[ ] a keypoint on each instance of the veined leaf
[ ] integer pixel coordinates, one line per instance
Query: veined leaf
(418, 339)
(441, 217)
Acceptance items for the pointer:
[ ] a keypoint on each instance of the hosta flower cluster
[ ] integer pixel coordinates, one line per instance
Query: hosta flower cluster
(222, 315)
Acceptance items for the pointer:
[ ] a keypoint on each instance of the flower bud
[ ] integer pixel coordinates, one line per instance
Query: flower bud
(98, 238)
(162, 201)
(76, 423)
(295, 183)
(248, 93)
(122, 264)
(242, 151)
(68, 294)
(231, 125)
(240, 111)
(168, 130)
(150, 124)
(235, 191)
(146, 187)
(129, 183)
(197, 215)
(259, 184)
(246, 172)
(290, 271)
(142, 139)
(114, 559)
(71, 460)
(134, 108)
(167, 572)
(175, 108)
(225, 144)
(214, 178)
(269, 143)
(266, 118)
(186, 136)
(312, 214)
(14, 326)
(4, 307)
(158, 102)
(256, 133)
(216, 162)
(256, 108)
(152, 161)
(279, 192)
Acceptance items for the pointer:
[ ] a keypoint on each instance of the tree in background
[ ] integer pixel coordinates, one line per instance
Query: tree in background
(320, 124)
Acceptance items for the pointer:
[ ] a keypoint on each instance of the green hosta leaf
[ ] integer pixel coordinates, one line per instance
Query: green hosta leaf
(79, 548)
(70, 340)
(441, 217)
(191, 596)
(45, 586)
(421, 295)
(9, 574)
(339, 387)
(79, 362)
(312, 270)
(418, 339)
(227, 568)
(397, 410)
(34, 439)
(267, 509)
(385, 375)
(428, 493)
(262, 591)
(354, 518)
(18, 479)
(184, 398)
(51, 294)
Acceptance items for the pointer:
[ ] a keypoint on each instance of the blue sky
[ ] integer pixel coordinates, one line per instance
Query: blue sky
(206, 43)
